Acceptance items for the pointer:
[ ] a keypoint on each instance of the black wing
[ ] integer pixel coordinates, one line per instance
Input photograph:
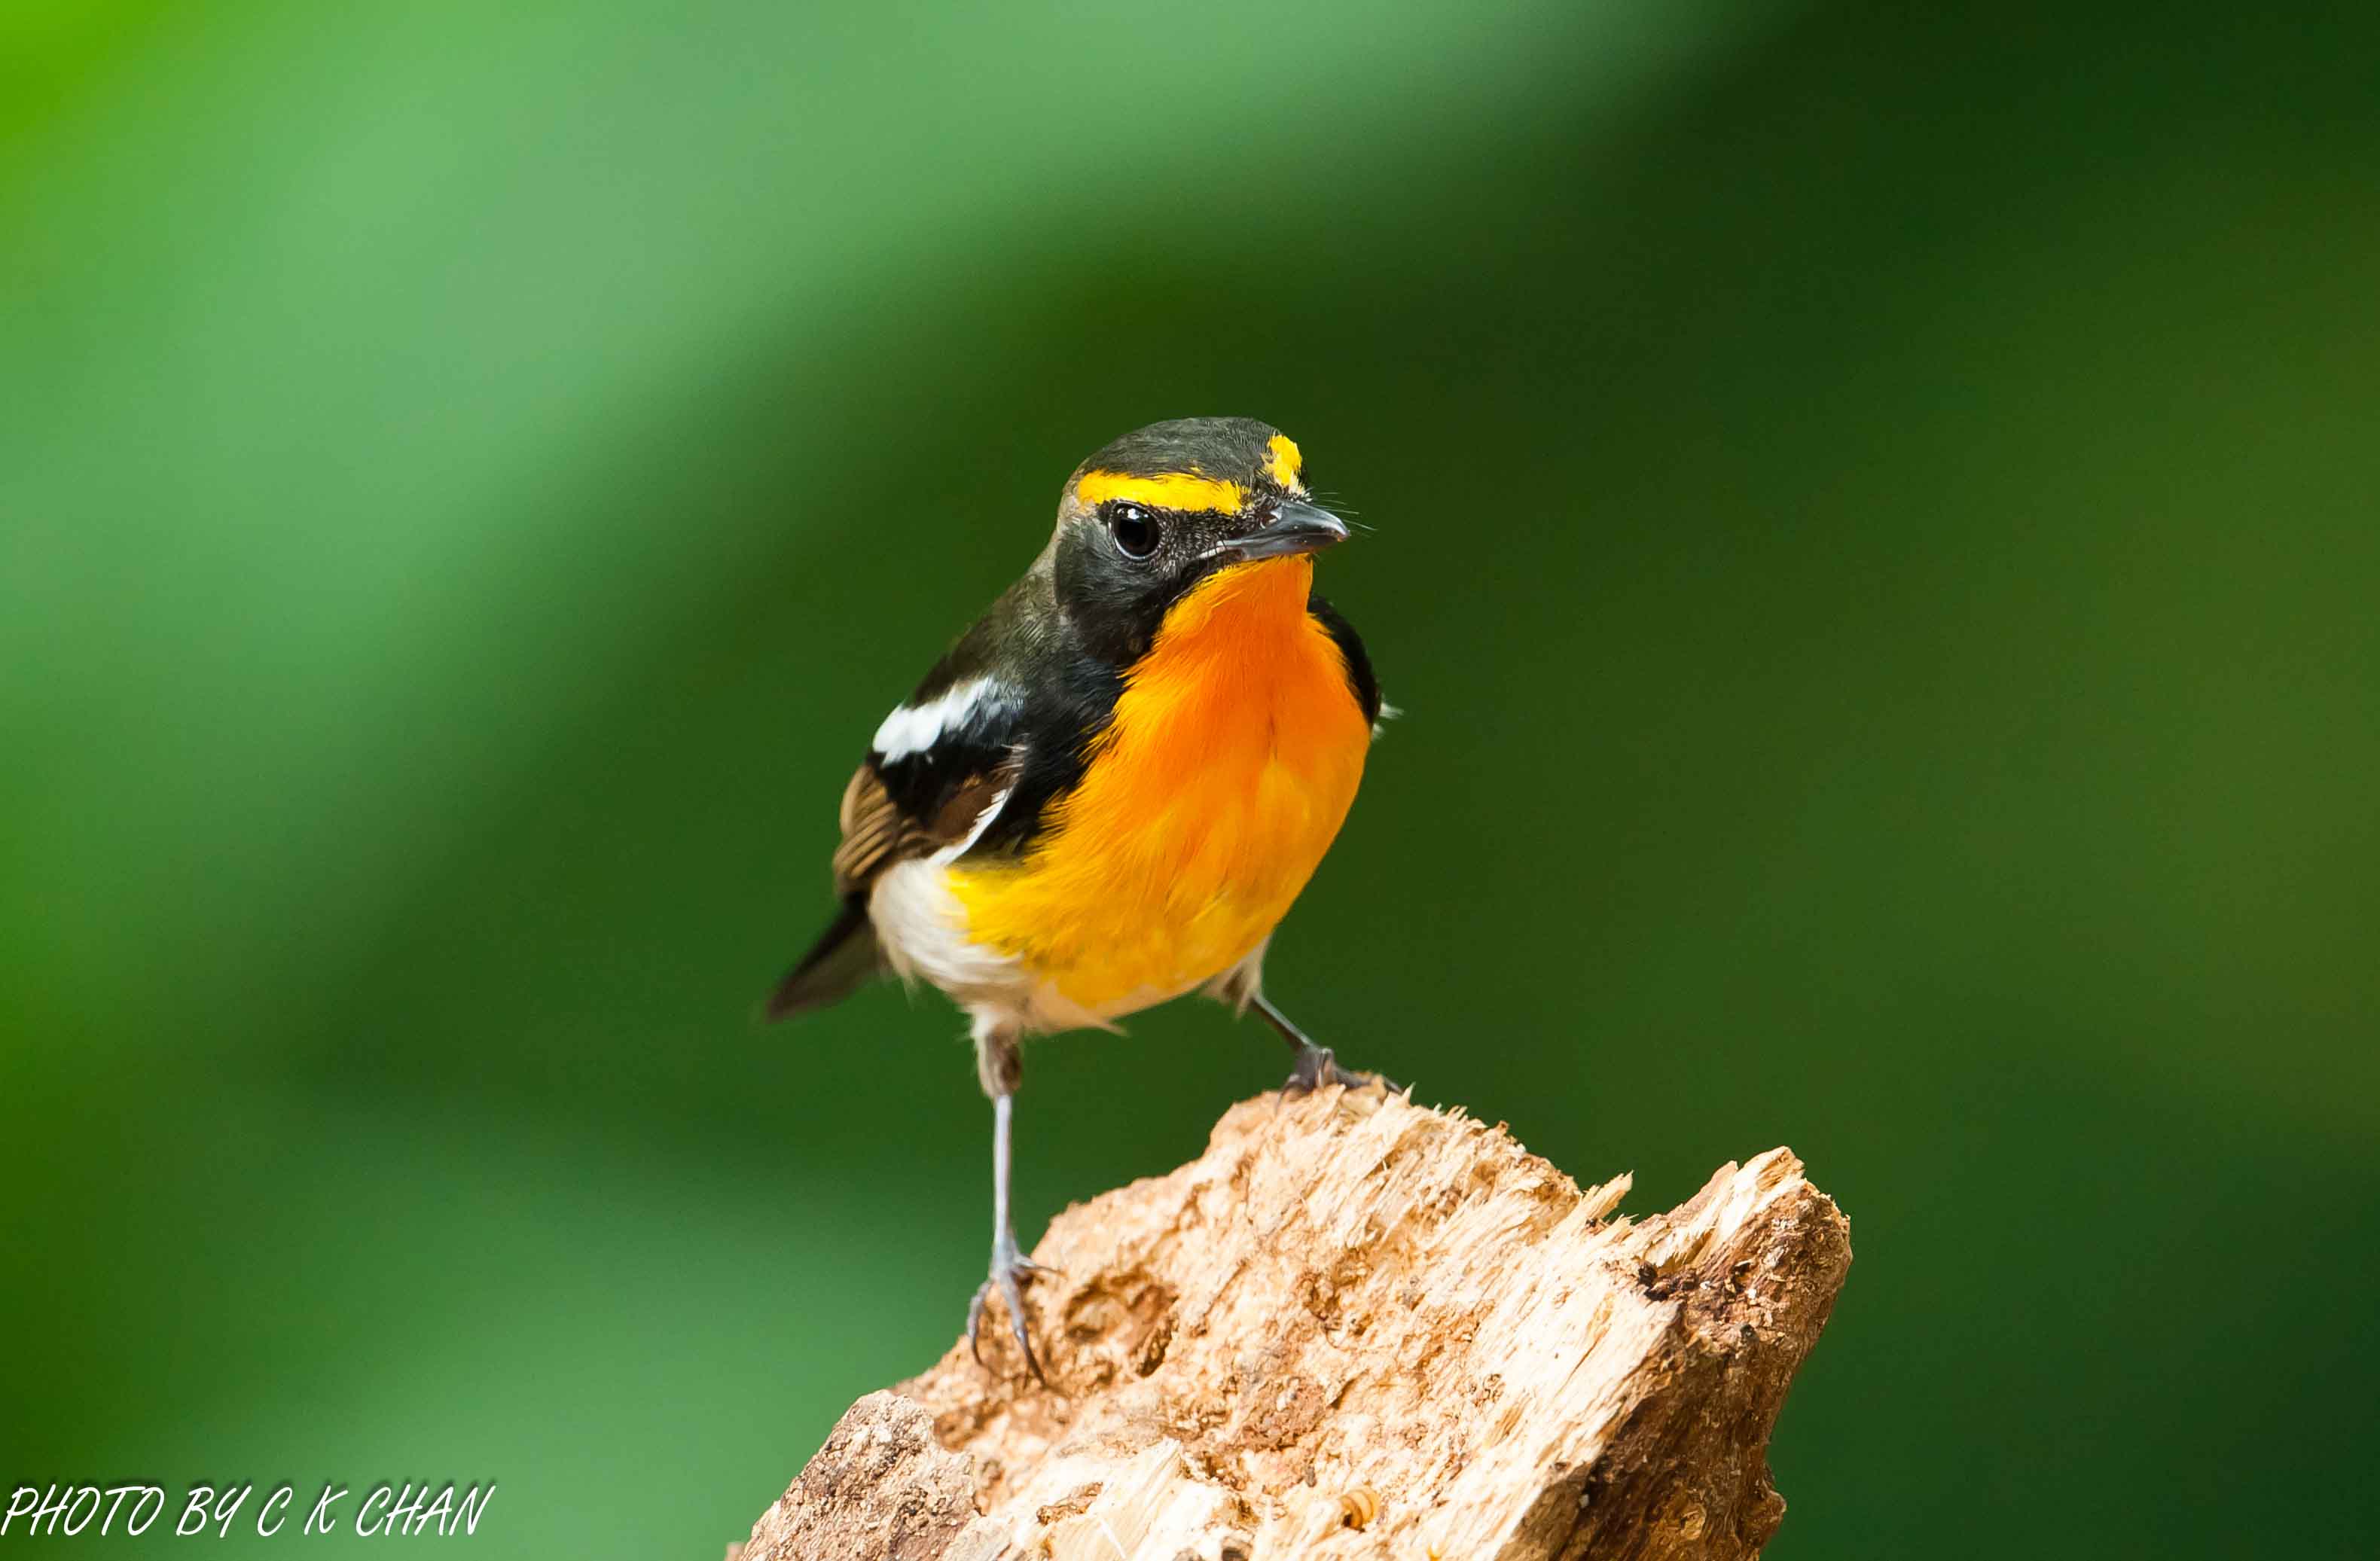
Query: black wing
(942, 764)
(1359, 665)
(993, 736)
(999, 731)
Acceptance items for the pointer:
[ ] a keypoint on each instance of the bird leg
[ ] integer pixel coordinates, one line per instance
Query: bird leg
(1315, 1065)
(998, 1062)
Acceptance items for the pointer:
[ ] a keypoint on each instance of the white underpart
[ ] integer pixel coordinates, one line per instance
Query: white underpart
(922, 926)
(923, 929)
(913, 729)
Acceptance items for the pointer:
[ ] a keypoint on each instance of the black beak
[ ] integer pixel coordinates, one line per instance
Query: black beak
(1295, 527)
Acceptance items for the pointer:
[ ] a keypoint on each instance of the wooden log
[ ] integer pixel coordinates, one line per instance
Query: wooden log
(1354, 1327)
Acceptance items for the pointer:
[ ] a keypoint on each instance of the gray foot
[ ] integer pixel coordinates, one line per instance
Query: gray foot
(1317, 1066)
(1008, 1269)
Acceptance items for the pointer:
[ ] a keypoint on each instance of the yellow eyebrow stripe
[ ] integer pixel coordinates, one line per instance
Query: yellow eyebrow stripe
(1174, 490)
(1282, 463)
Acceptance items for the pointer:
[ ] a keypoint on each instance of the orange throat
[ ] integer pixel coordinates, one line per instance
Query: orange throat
(1235, 750)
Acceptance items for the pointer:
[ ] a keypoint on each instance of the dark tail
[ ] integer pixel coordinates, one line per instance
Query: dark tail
(838, 964)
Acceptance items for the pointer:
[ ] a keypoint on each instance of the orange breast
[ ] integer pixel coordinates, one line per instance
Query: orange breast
(1237, 748)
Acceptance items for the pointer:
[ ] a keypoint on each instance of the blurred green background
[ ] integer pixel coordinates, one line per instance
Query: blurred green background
(1875, 534)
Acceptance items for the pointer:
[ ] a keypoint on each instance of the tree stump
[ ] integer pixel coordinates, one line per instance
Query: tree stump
(1354, 1327)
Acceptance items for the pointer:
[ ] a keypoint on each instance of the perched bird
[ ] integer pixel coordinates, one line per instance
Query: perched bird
(1112, 789)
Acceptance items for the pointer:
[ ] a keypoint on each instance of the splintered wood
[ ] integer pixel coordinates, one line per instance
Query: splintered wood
(1354, 1327)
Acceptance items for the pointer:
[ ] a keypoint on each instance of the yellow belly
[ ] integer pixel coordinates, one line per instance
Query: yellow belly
(1235, 750)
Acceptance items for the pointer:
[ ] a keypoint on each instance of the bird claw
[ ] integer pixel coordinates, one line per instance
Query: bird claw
(1008, 1269)
(1317, 1066)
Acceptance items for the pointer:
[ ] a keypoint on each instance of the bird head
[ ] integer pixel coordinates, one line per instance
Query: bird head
(1156, 513)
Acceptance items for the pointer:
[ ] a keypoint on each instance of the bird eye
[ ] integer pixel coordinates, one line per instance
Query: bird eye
(1134, 528)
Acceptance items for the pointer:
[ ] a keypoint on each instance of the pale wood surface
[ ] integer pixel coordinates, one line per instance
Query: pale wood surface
(1355, 1327)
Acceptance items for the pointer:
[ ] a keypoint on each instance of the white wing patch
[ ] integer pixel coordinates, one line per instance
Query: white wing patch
(913, 729)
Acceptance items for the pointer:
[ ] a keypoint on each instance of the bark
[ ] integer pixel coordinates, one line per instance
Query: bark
(1354, 1327)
